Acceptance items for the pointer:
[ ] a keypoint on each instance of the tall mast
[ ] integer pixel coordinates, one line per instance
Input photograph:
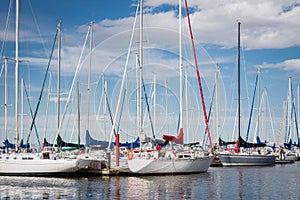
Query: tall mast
(217, 101)
(180, 67)
(89, 75)
(198, 73)
(298, 97)
(258, 100)
(47, 106)
(17, 75)
(141, 131)
(154, 102)
(289, 106)
(167, 103)
(5, 97)
(104, 103)
(137, 92)
(122, 84)
(239, 85)
(58, 72)
(78, 111)
(22, 108)
(186, 105)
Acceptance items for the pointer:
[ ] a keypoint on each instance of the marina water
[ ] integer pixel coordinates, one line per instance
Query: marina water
(274, 182)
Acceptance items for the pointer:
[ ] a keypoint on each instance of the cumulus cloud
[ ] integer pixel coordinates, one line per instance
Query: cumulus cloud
(266, 24)
(287, 65)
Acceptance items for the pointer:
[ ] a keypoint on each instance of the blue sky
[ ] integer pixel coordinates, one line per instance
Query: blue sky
(269, 38)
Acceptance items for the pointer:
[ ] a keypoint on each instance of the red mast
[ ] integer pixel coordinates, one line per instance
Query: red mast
(198, 73)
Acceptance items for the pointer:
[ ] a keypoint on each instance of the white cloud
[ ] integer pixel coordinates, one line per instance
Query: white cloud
(265, 24)
(287, 65)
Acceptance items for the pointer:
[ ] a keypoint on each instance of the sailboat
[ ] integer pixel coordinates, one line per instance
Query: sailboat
(290, 148)
(47, 162)
(239, 157)
(172, 158)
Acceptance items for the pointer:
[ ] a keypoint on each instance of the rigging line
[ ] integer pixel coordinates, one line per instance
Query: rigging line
(148, 109)
(291, 109)
(123, 78)
(101, 98)
(295, 114)
(270, 115)
(6, 28)
(251, 111)
(109, 110)
(198, 73)
(150, 97)
(38, 29)
(71, 89)
(2, 68)
(36, 132)
(181, 115)
(78, 112)
(47, 105)
(245, 74)
(41, 93)
(121, 110)
(296, 123)
(285, 112)
(280, 124)
(209, 113)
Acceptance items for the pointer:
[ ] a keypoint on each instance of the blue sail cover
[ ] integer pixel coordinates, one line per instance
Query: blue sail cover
(288, 145)
(7, 144)
(258, 141)
(129, 145)
(89, 141)
(243, 143)
(22, 145)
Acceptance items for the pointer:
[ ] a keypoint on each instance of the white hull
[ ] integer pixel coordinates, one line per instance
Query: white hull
(33, 164)
(169, 165)
(246, 160)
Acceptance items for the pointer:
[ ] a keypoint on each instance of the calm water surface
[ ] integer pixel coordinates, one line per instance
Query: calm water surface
(276, 182)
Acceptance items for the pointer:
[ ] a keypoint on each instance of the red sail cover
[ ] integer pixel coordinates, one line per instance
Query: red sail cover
(177, 140)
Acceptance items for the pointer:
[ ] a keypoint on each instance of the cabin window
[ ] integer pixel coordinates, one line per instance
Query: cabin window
(46, 155)
(15, 158)
(7, 158)
(27, 158)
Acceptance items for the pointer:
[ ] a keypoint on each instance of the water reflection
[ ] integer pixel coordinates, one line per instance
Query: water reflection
(271, 182)
(170, 187)
(276, 182)
(36, 188)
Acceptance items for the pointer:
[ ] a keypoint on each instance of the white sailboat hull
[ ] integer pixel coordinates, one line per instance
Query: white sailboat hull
(246, 160)
(30, 164)
(145, 165)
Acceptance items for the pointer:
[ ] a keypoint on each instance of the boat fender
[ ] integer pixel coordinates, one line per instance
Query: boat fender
(130, 155)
